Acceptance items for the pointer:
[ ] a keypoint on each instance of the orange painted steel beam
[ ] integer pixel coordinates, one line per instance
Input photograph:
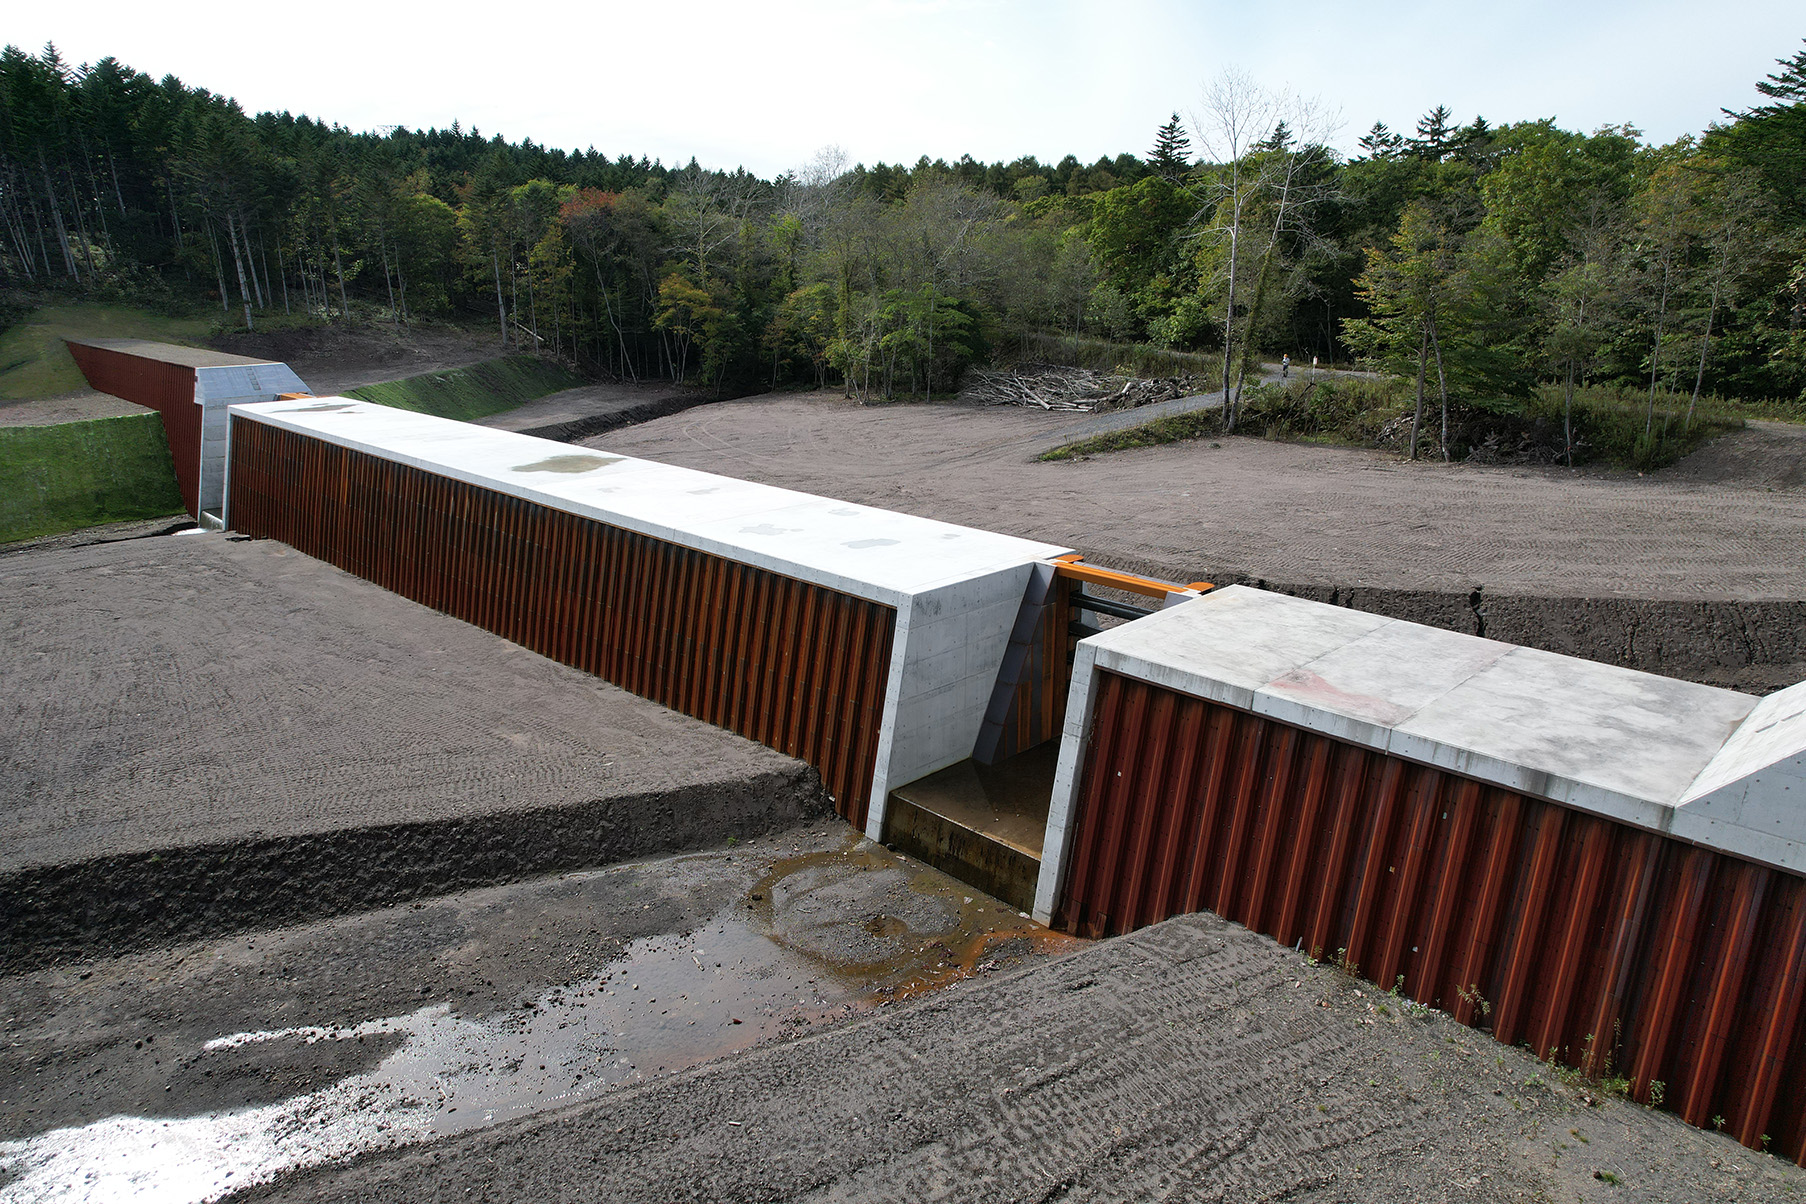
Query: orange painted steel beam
(1069, 567)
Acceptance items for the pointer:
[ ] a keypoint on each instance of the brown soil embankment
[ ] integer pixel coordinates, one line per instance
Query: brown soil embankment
(591, 410)
(332, 359)
(203, 734)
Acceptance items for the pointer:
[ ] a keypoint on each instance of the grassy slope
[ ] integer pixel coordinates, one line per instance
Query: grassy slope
(76, 474)
(474, 392)
(1608, 422)
(34, 363)
(59, 478)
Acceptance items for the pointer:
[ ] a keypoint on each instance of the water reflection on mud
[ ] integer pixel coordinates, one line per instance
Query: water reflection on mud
(821, 936)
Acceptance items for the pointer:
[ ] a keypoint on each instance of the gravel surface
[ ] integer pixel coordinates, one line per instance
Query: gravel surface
(1276, 511)
(1190, 1061)
(302, 732)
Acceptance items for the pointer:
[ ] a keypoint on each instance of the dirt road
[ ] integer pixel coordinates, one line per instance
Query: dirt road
(1275, 511)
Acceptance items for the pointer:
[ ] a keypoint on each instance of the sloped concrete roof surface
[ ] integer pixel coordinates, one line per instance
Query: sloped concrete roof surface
(862, 550)
(1713, 766)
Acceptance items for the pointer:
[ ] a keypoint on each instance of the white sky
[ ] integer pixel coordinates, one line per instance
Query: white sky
(765, 84)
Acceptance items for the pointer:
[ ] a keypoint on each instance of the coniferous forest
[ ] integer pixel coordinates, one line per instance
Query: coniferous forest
(1487, 260)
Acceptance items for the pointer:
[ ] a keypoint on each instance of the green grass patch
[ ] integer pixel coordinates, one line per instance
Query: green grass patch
(474, 392)
(1608, 423)
(1176, 428)
(34, 363)
(76, 474)
(1355, 411)
(1352, 411)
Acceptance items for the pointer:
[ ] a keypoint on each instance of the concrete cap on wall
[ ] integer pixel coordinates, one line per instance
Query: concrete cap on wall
(1720, 768)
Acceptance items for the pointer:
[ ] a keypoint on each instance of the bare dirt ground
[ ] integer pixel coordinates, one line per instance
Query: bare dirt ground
(332, 359)
(164, 691)
(1763, 456)
(589, 410)
(69, 407)
(1190, 1061)
(1281, 511)
(238, 729)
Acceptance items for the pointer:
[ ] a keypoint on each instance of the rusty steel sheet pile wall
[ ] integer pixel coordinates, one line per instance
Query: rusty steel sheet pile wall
(164, 387)
(1038, 705)
(793, 665)
(1610, 948)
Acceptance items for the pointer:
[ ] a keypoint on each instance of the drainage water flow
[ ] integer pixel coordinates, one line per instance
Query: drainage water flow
(823, 935)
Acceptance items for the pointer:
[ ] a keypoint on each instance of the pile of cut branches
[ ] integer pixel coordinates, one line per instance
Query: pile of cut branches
(1147, 392)
(1080, 390)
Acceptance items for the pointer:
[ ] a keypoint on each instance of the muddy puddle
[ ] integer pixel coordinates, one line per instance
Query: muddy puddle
(821, 936)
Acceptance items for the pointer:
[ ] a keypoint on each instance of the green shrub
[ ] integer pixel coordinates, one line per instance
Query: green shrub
(1608, 423)
(1122, 359)
(1336, 410)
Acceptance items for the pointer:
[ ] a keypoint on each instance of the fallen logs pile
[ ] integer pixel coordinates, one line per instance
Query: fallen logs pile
(1076, 390)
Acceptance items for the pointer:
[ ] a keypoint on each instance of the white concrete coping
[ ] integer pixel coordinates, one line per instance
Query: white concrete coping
(1752, 794)
(1716, 767)
(861, 550)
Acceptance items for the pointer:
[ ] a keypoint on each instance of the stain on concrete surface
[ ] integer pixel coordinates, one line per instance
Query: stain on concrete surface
(567, 464)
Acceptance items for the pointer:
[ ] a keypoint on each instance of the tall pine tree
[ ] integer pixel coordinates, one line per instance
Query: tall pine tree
(1171, 157)
(1435, 135)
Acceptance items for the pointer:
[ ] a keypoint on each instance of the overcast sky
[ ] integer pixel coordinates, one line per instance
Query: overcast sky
(765, 85)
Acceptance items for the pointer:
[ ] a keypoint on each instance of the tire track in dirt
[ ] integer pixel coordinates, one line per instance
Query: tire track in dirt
(1192, 1060)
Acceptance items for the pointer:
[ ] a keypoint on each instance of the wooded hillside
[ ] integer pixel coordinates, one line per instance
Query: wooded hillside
(1486, 258)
